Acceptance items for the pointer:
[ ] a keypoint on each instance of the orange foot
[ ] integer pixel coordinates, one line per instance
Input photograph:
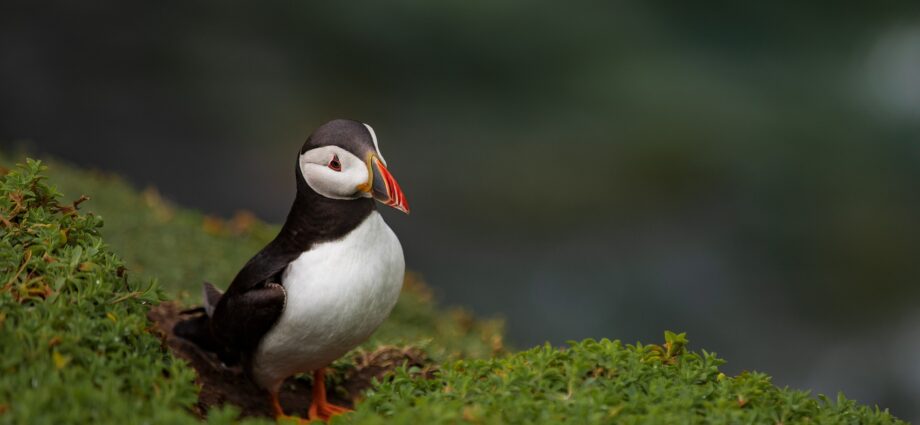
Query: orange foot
(320, 408)
(280, 417)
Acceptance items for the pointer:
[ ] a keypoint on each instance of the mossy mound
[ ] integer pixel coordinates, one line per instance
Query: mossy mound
(75, 346)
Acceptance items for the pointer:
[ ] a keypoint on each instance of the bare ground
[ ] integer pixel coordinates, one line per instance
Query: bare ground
(221, 385)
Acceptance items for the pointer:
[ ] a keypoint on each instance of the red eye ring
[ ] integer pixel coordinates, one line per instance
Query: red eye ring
(335, 164)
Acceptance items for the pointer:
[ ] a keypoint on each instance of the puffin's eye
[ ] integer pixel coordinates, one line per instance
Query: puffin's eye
(335, 165)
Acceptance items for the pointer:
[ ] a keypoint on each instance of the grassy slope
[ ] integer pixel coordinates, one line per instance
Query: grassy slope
(159, 241)
(75, 346)
(80, 352)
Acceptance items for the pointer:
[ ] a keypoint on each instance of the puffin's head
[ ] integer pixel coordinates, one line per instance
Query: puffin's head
(341, 160)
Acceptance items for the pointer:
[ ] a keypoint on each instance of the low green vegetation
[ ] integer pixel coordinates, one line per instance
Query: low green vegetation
(75, 345)
(595, 382)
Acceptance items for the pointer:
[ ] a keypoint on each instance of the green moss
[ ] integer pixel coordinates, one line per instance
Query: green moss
(75, 347)
(595, 382)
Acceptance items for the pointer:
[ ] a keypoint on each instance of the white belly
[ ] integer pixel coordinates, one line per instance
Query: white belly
(338, 293)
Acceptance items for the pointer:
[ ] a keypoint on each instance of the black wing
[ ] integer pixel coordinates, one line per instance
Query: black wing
(252, 303)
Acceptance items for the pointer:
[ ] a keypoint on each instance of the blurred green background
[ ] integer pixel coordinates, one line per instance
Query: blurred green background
(747, 173)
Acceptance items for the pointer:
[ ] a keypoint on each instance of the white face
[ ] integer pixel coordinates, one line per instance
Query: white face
(334, 172)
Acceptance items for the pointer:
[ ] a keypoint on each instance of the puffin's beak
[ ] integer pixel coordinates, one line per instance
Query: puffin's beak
(382, 186)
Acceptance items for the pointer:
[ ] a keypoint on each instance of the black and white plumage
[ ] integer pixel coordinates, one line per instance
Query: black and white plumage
(326, 282)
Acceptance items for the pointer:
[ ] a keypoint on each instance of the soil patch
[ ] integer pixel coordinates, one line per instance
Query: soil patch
(221, 385)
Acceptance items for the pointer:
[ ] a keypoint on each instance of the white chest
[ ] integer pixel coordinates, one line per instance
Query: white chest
(338, 293)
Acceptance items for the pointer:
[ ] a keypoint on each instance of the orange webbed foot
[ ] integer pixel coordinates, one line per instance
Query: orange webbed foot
(320, 409)
(326, 411)
(280, 417)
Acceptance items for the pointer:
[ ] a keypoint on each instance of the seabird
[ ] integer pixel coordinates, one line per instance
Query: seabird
(325, 283)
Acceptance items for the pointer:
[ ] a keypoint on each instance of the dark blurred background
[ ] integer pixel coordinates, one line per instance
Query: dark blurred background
(747, 173)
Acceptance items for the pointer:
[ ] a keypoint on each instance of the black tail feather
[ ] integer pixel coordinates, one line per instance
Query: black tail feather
(211, 296)
(198, 331)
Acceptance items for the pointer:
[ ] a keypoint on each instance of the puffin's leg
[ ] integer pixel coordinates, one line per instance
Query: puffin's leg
(276, 405)
(279, 412)
(319, 407)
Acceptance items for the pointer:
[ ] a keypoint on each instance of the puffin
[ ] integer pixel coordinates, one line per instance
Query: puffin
(324, 283)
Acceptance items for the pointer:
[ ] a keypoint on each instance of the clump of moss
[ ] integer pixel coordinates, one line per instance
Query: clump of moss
(74, 346)
(595, 382)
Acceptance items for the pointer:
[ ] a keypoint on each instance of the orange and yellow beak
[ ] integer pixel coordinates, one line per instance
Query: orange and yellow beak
(382, 186)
